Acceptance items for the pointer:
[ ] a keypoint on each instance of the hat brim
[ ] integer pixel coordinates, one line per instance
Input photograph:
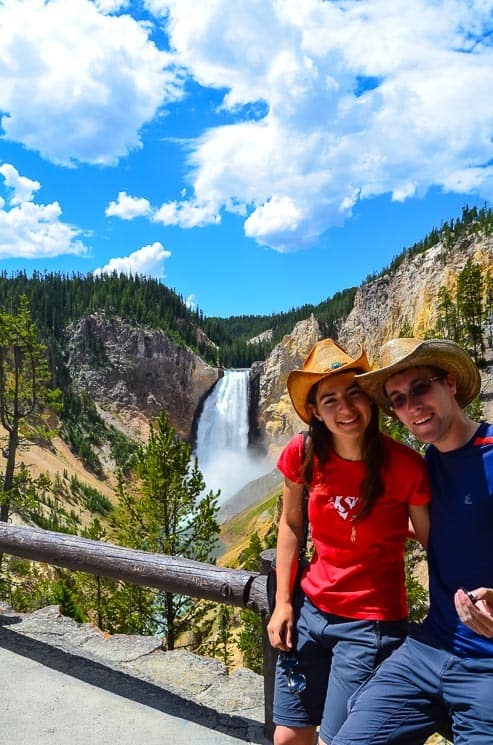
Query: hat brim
(441, 353)
(300, 383)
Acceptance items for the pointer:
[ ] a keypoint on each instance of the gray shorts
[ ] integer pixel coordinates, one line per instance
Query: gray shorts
(336, 655)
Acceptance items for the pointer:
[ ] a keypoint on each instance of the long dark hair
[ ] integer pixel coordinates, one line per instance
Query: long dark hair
(320, 444)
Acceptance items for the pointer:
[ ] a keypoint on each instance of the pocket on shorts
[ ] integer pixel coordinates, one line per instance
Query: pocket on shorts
(389, 635)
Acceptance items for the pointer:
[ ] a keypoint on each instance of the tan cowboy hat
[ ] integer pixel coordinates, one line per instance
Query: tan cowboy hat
(397, 355)
(325, 358)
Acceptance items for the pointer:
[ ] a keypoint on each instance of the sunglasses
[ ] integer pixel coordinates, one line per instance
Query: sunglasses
(417, 389)
(296, 680)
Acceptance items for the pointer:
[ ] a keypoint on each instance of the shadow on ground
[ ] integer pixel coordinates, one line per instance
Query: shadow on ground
(124, 685)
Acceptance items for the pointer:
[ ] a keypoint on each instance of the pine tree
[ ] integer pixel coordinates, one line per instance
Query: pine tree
(470, 307)
(250, 637)
(447, 323)
(115, 606)
(488, 307)
(170, 515)
(66, 599)
(25, 390)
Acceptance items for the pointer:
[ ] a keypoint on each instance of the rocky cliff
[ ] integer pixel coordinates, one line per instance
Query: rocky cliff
(134, 372)
(276, 419)
(408, 298)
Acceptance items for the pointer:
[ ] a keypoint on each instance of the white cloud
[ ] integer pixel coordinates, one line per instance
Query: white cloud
(361, 99)
(128, 207)
(186, 214)
(148, 260)
(111, 6)
(77, 84)
(29, 230)
(468, 179)
(279, 216)
(23, 188)
(191, 302)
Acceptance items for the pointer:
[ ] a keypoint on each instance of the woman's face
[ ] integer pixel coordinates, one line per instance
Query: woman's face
(342, 406)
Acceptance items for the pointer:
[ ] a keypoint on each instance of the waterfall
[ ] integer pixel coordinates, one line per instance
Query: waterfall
(222, 437)
(223, 424)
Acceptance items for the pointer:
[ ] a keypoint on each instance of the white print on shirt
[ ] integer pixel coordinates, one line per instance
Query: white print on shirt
(344, 505)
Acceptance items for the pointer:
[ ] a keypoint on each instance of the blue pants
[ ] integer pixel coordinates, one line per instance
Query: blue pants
(336, 655)
(409, 696)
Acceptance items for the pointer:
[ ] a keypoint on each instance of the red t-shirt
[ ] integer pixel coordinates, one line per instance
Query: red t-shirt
(357, 570)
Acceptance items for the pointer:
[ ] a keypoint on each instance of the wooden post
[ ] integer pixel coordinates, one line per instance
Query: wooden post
(269, 653)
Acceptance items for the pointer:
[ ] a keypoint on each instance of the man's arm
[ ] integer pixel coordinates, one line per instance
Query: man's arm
(478, 615)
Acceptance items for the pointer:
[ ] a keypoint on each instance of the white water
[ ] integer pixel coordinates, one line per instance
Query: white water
(222, 437)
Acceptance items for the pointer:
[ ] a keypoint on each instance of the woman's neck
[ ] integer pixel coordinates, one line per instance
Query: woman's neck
(348, 449)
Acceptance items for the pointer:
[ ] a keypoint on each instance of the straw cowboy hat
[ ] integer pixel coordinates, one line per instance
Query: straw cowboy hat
(325, 358)
(397, 355)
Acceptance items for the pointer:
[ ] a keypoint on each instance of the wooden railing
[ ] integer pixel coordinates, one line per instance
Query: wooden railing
(169, 573)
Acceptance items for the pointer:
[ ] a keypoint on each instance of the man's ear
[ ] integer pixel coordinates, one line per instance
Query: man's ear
(451, 383)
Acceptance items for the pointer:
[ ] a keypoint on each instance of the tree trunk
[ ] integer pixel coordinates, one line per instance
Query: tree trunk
(8, 480)
(170, 621)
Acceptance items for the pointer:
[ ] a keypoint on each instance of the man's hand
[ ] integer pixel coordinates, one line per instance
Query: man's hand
(478, 615)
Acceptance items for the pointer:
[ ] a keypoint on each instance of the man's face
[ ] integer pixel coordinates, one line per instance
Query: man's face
(430, 416)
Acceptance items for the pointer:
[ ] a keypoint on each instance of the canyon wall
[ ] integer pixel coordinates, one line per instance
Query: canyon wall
(133, 372)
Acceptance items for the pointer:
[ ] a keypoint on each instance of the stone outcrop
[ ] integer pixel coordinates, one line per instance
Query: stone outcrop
(135, 372)
(407, 299)
(277, 420)
(264, 336)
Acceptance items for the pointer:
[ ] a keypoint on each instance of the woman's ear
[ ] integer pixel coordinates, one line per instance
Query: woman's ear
(313, 411)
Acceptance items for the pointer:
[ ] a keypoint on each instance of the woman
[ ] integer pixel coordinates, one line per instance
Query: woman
(363, 487)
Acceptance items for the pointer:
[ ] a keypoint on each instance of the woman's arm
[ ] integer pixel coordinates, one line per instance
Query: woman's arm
(280, 626)
(419, 515)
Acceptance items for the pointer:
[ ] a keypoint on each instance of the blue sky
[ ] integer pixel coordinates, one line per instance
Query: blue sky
(254, 155)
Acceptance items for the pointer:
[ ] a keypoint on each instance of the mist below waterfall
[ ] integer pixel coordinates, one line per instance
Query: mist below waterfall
(222, 437)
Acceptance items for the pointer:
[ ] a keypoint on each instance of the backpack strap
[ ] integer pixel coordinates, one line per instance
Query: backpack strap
(306, 496)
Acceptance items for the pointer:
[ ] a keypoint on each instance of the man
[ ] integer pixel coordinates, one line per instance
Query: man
(444, 670)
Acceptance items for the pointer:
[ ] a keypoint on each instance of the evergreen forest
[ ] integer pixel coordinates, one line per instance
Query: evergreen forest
(56, 300)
